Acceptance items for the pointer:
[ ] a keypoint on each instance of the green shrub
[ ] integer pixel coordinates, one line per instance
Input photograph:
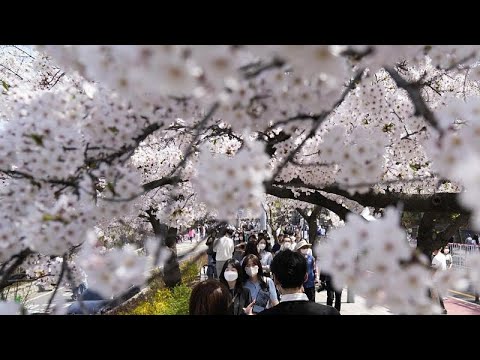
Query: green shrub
(163, 301)
(177, 303)
(190, 271)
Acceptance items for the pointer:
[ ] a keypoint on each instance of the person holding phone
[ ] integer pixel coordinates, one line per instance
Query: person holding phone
(262, 289)
(232, 277)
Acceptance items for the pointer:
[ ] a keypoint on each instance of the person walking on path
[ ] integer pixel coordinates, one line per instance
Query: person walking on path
(309, 284)
(439, 263)
(223, 249)
(289, 271)
(210, 297)
(266, 256)
(332, 294)
(262, 289)
(212, 269)
(232, 277)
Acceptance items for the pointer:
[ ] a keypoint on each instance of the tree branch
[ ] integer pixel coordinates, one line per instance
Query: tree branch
(302, 212)
(313, 198)
(438, 202)
(413, 90)
(60, 278)
(56, 81)
(255, 69)
(162, 182)
(318, 119)
(199, 127)
(109, 158)
(452, 229)
(4, 282)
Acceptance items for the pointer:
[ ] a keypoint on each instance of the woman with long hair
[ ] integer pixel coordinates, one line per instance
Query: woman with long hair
(232, 277)
(262, 289)
(210, 297)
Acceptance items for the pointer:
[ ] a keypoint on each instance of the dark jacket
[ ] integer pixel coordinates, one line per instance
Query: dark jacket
(210, 241)
(300, 308)
(241, 300)
(276, 247)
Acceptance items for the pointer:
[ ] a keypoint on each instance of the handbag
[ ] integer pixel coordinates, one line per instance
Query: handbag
(322, 286)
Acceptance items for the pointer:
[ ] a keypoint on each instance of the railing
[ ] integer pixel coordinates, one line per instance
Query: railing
(460, 254)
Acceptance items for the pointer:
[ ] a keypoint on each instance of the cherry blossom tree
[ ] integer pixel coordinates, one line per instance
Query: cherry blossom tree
(172, 135)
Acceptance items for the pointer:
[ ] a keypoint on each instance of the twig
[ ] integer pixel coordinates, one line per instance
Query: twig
(58, 79)
(251, 71)
(318, 121)
(13, 72)
(413, 90)
(60, 278)
(16, 47)
(19, 260)
(199, 127)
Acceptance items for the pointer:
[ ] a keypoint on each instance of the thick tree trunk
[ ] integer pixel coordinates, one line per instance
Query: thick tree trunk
(272, 225)
(312, 222)
(171, 269)
(312, 230)
(425, 241)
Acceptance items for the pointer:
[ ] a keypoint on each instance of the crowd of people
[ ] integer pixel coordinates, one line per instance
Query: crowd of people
(249, 276)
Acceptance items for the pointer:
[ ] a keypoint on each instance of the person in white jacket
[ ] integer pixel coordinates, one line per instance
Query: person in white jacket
(439, 263)
(224, 248)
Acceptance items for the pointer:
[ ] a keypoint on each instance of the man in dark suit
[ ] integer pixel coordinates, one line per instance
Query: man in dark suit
(289, 273)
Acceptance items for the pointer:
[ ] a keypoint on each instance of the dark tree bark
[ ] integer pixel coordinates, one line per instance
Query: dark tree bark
(429, 239)
(8, 268)
(312, 222)
(171, 269)
(313, 198)
(425, 241)
(452, 229)
(438, 202)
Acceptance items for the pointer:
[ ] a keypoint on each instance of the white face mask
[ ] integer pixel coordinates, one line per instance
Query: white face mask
(230, 275)
(262, 246)
(251, 271)
(287, 245)
(304, 251)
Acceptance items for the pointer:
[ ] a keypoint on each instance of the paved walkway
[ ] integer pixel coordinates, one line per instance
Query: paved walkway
(37, 302)
(356, 308)
(454, 306)
(457, 306)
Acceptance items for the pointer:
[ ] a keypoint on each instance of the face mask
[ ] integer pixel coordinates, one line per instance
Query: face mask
(304, 251)
(446, 251)
(251, 271)
(230, 275)
(262, 246)
(287, 245)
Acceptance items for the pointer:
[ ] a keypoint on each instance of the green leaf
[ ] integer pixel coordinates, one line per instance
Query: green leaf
(387, 127)
(49, 217)
(5, 85)
(37, 138)
(111, 187)
(416, 166)
(113, 129)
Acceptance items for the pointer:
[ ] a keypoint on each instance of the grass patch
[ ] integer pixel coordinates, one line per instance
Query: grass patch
(163, 301)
